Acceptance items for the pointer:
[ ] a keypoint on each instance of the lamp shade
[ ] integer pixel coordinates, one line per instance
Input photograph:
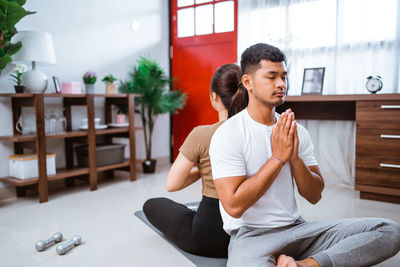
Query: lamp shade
(36, 47)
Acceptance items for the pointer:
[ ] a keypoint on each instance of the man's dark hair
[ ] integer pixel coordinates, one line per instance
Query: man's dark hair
(253, 55)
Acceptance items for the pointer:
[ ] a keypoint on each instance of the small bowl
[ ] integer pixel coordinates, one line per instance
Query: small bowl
(85, 121)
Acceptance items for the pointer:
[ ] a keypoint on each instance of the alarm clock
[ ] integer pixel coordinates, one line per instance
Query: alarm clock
(374, 84)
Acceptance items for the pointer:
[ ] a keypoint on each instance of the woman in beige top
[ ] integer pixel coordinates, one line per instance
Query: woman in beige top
(199, 232)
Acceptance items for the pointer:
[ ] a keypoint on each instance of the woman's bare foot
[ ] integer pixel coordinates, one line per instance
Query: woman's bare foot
(286, 261)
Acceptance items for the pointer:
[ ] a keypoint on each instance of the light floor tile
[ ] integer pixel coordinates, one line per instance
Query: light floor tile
(113, 236)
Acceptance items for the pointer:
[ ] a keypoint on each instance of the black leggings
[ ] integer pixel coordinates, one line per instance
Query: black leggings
(198, 232)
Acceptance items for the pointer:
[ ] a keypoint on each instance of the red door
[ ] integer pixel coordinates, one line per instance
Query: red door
(204, 37)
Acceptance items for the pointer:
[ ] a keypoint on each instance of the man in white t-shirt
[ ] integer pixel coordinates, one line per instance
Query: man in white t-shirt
(257, 156)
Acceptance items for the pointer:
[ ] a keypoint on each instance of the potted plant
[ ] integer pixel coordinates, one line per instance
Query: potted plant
(122, 110)
(110, 85)
(89, 78)
(19, 70)
(149, 80)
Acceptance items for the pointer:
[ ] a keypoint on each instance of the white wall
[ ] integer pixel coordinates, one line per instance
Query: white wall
(93, 35)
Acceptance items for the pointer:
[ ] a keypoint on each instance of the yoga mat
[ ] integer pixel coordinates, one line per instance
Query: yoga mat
(199, 261)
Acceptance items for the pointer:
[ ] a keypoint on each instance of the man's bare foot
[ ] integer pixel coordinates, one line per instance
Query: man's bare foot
(286, 261)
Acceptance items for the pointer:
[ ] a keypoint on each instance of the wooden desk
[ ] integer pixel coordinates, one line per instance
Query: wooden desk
(377, 136)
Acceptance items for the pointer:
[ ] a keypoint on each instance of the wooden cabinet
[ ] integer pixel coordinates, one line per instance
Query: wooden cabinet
(377, 117)
(378, 150)
(38, 140)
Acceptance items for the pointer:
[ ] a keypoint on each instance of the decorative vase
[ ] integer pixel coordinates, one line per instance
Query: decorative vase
(149, 166)
(120, 118)
(34, 81)
(110, 88)
(89, 87)
(19, 88)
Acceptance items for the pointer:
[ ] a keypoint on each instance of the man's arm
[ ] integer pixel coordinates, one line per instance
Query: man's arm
(237, 194)
(181, 174)
(309, 180)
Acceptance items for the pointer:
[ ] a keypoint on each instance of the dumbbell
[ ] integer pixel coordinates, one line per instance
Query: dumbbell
(43, 244)
(66, 246)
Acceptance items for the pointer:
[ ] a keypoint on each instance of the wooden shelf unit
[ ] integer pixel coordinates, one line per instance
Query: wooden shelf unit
(70, 136)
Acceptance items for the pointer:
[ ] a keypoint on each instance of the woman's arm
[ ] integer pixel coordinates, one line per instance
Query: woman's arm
(182, 174)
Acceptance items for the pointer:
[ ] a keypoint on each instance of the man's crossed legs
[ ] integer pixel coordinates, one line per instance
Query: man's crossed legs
(344, 242)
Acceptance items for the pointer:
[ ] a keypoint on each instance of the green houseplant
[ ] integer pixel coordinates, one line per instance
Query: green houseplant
(149, 80)
(11, 11)
(89, 79)
(110, 85)
(19, 70)
(122, 110)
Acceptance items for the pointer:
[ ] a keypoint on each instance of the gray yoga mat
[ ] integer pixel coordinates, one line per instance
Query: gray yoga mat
(199, 261)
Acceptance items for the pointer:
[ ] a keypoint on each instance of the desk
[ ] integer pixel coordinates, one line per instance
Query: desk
(377, 136)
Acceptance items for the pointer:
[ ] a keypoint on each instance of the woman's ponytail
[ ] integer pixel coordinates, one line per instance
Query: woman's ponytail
(226, 83)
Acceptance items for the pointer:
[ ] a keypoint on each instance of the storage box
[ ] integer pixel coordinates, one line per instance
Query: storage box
(71, 88)
(25, 166)
(105, 154)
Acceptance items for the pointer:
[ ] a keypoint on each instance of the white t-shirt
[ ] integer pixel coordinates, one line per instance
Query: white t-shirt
(241, 146)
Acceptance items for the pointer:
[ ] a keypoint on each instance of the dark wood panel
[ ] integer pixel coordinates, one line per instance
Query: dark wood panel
(114, 166)
(378, 190)
(132, 139)
(19, 182)
(380, 197)
(75, 101)
(374, 160)
(63, 173)
(370, 114)
(41, 148)
(379, 144)
(91, 142)
(341, 98)
(19, 138)
(321, 110)
(384, 177)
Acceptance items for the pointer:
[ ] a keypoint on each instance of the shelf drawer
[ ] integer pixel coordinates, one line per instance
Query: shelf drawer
(384, 144)
(378, 114)
(383, 177)
(377, 161)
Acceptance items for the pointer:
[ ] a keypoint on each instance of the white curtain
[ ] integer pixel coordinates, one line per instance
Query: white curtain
(352, 39)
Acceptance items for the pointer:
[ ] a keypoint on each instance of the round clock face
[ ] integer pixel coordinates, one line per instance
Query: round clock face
(374, 84)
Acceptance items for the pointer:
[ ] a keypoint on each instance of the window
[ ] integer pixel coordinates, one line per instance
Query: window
(204, 17)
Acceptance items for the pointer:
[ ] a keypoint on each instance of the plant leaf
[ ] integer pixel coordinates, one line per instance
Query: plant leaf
(12, 49)
(148, 79)
(4, 60)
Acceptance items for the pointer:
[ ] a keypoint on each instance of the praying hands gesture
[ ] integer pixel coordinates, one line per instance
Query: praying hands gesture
(284, 138)
(285, 147)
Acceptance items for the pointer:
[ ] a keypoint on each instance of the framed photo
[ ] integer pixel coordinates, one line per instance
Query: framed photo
(57, 84)
(313, 81)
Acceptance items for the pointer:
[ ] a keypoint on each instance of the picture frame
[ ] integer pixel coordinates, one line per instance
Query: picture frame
(57, 84)
(313, 81)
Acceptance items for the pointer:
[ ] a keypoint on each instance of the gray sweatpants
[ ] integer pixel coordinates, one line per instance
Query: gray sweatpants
(344, 242)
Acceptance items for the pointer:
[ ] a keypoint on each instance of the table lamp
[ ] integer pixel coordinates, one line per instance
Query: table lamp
(37, 49)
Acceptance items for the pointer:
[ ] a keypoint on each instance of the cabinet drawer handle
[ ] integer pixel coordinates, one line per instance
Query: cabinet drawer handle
(389, 165)
(390, 106)
(390, 136)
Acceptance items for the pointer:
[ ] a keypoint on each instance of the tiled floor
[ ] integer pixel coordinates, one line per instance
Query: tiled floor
(113, 236)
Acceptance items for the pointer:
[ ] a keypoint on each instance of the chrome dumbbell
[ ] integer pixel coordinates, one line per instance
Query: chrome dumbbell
(66, 246)
(43, 244)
